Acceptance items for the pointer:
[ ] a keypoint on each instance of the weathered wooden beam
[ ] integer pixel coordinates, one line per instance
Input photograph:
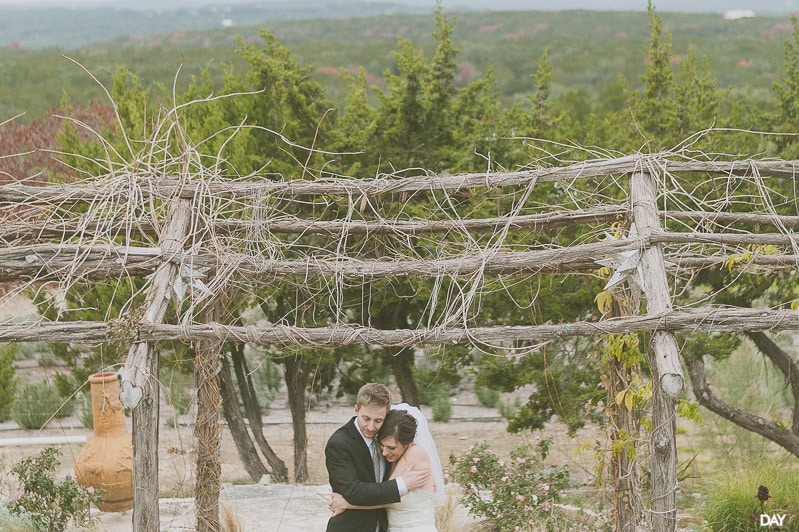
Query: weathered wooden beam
(207, 431)
(56, 263)
(16, 262)
(658, 236)
(120, 330)
(35, 231)
(643, 194)
(276, 185)
(664, 357)
(720, 218)
(53, 262)
(140, 382)
(32, 232)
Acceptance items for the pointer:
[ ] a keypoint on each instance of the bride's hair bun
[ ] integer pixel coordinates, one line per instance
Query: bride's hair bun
(400, 425)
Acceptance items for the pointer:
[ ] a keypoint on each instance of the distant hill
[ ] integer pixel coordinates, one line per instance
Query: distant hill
(763, 7)
(588, 50)
(33, 26)
(72, 28)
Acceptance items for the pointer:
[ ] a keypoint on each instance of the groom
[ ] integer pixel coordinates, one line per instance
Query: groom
(351, 470)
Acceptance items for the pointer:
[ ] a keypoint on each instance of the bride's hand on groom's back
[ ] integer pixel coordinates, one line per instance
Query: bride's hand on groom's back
(337, 504)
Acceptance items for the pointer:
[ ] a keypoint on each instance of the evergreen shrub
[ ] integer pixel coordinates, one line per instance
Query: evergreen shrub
(8, 381)
(36, 403)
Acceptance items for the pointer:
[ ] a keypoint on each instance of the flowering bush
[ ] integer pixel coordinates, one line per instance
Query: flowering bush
(517, 494)
(50, 506)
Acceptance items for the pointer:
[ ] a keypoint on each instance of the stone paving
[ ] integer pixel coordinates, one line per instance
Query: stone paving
(273, 508)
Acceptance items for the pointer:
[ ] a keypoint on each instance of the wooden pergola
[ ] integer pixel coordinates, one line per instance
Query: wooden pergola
(198, 234)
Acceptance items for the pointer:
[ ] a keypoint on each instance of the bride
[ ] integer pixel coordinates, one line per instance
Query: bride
(406, 443)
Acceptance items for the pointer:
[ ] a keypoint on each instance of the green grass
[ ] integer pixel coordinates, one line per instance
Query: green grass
(732, 503)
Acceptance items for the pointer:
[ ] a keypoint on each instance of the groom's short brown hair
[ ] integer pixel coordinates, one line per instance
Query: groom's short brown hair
(373, 394)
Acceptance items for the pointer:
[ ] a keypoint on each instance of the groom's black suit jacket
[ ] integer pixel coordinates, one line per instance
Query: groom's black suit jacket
(349, 467)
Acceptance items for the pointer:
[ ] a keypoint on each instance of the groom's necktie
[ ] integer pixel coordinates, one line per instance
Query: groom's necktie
(376, 459)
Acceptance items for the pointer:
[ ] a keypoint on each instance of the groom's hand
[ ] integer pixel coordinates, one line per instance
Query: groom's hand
(415, 479)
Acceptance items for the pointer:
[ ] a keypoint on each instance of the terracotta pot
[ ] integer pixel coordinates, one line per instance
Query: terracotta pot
(106, 462)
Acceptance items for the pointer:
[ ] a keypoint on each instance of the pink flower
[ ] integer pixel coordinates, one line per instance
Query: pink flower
(502, 463)
(475, 460)
(473, 469)
(520, 498)
(90, 490)
(21, 492)
(520, 460)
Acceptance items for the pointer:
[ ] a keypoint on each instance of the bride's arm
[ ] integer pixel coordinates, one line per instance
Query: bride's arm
(414, 458)
(338, 504)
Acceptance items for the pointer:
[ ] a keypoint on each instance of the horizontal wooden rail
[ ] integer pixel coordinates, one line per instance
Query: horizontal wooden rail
(693, 320)
(277, 186)
(54, 262)
(47, 230)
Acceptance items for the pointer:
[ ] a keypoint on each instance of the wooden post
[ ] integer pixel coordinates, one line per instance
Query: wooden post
(208, 431)
(643, 198)
(146, 516)
(140, 375)
(668, 381)
(628, 505)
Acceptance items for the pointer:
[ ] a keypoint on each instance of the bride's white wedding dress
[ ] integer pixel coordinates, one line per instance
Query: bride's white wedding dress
(415, 513)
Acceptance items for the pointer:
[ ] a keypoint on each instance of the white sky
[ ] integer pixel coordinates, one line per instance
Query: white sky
(65, 3)
(601, 5)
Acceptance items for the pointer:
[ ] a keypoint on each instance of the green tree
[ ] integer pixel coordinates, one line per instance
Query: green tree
(730, 287)
(787, 92)
(146, 140)
(422, 120)
(696, 98)
(540, 108)
(8, 380)
(288, 105)
(286, 99)
(655, 110)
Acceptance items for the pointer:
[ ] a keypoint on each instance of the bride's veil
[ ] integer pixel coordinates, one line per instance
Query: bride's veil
(425, 440)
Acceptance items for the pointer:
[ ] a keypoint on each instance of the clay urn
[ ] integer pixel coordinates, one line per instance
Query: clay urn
(106, 462)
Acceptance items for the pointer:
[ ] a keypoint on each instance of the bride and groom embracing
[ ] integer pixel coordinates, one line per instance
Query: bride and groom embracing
(384, 468)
